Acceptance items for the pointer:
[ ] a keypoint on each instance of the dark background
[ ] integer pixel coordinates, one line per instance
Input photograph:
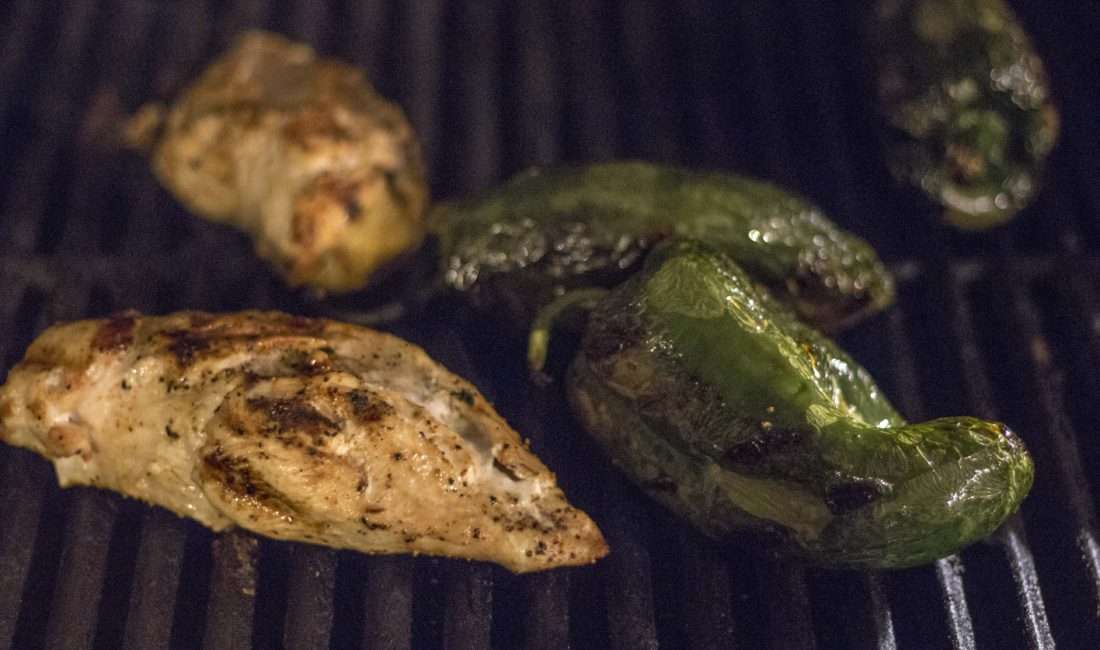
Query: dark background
(1004, 324)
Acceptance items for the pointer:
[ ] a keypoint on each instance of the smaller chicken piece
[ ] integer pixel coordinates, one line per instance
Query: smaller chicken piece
(294, 428)
(298, 151)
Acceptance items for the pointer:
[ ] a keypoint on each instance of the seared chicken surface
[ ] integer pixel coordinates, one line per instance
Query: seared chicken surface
(294, 428)
(301, 153)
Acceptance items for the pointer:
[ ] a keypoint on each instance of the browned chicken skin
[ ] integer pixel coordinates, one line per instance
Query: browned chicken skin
(294, 428)
(301, 153)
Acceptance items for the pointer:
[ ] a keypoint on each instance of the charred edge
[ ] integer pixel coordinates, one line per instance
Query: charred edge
(236, 474)
(372, 525)
(613, 336)
(368, 407)
(186, 345)
(506, 470)
(389, 176)
(116, 333)
(663, 483)
(850, 496)
(200, 319)
(305, 363)
(764, 444)
(464, 396)
(286, 415)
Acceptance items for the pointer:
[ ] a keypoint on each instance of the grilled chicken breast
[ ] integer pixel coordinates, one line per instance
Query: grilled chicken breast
(293, 428)
(301, 153)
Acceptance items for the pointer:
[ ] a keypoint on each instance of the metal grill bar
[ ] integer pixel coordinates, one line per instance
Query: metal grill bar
(309, 593)
(75, 603)
(813, 28)
(156, 580)
(1047, 380)
(388, 607)
(788, 605)
(54, 111)
(546, 619)
(628, 581)
(182, 35)
(363, 39)
(15, 49)
(882, 619)
(534, 131)
(697, 36)
(706, 611)
(239, 16)
(948, 571)
(772, 143)
(588, 83)
(232, 592)
(652, 124)
(420, 89)
(21, 514)
(980, 391)
(117, 70)
(473, 45)
(309, 22)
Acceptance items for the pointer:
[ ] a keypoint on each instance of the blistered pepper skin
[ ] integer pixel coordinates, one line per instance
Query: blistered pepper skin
(968, 103)
(724, 407)
(513, 248)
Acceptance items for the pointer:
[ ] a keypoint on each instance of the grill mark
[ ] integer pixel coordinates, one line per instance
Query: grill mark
(849, 496)
(293, 415)
(367, 407)
(116, 333)
(208, 333)
(762, 445)
(186, 345)
(236, 475)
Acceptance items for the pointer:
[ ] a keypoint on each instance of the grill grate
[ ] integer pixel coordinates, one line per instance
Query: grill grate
(1004, 325)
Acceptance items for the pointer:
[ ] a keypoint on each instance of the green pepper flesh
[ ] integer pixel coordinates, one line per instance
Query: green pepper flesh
(727, 409)
(969, 105)
(516, 247)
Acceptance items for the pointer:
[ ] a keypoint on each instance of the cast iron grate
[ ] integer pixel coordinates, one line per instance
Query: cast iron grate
(1004, 325)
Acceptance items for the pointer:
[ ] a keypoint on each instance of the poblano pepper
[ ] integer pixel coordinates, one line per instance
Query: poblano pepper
(727, 409)
(968, 102)
(514, 248)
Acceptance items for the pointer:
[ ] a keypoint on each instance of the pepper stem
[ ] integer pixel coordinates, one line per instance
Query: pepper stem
(538, 342)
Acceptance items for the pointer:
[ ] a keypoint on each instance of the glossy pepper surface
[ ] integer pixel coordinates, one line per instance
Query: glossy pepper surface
(724, 407)
(968, 102)
(515, 247)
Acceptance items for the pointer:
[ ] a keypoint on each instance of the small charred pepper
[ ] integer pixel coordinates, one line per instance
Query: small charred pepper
(968, 102)
(513, 249)
(724, 407)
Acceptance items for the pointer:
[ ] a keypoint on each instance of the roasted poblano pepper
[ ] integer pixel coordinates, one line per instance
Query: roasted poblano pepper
(968, 102)
(514, 248)
(724, 407)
